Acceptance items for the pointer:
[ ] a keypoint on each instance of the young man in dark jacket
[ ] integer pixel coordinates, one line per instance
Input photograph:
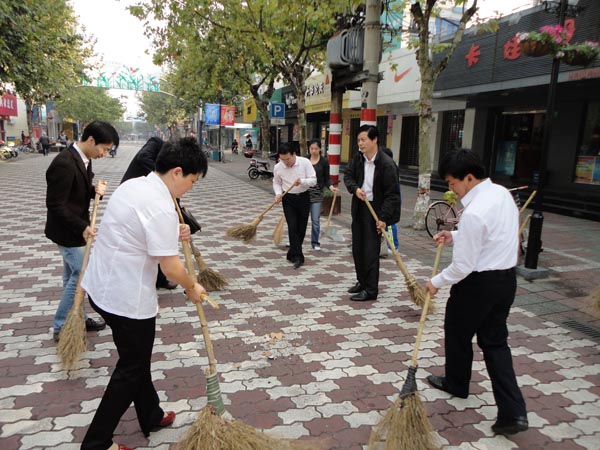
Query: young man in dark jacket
(371, 175)
(69, 191)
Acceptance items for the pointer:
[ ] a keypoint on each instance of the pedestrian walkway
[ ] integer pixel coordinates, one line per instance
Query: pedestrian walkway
(295, 356)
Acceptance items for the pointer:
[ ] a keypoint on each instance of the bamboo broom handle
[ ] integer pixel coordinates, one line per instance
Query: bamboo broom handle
(212, 362)
(199, 260)
(399, 261)
(426, 307)
(261, 215)
(527, 202)
(330, 212)
(524, 224)
(79, 292)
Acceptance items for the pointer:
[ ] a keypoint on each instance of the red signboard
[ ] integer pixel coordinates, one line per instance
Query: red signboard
(227, 115)
(8, 105)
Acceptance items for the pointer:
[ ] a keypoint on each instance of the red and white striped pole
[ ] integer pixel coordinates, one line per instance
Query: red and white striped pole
(335, 136)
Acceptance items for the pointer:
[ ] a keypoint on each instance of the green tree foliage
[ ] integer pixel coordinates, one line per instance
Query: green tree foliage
(89, 103)
(41, 52)
(226, 49)
(161, 109)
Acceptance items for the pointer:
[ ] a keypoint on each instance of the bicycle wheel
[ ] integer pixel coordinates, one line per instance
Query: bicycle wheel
(253, 173)
(439, 216)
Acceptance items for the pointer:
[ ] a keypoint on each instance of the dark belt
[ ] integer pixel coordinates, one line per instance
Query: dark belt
(297, 193)
(496, 272)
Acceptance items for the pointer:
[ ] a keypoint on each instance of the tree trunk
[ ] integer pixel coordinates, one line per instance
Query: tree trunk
(302, 119)
(425, 120)
(265, 141)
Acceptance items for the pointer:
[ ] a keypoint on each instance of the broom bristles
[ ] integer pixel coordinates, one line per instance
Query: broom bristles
(212, 280)
(242, 232)
(72, 339)
(417, 294)
(404, 426)
(212, 432)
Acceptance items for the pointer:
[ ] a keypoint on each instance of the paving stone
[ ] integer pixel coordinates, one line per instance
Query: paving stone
(338, 365)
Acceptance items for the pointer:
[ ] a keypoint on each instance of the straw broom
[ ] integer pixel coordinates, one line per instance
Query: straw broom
(214, 429)
(595, 297)
(247, 232)
(332, 233)
(210, 279)
(72, 340)
(278, 232)
(414, 289)
(405, 425)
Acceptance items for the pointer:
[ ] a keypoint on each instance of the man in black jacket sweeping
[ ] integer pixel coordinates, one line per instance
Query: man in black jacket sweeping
(371, 175)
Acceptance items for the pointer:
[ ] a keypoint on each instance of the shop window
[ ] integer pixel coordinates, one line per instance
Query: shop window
(409, 142)
(587, 167)
(452, 130)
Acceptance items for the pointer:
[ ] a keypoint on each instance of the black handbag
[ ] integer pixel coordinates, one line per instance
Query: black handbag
(190, 220)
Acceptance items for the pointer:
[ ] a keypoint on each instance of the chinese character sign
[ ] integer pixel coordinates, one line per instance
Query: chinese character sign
(212, 114)
(227, 115)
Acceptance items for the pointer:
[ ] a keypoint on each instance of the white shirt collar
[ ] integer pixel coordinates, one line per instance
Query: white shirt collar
(84, 158)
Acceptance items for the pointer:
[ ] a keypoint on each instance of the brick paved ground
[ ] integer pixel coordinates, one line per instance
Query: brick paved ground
(295, 356)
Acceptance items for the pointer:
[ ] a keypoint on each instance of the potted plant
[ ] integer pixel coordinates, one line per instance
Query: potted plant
(580, 54)
(547, 40)
(327, 199)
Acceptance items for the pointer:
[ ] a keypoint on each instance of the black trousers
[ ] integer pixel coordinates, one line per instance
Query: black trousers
(130, 382)
(365, 249)
(296, 208)
(479, 305)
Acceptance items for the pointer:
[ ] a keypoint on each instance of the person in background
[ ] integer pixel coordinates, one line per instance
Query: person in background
(69, 191)
(140, 228)
(45, 143)
(249, 143)
(391, 230)
(321, 166)
(483, 279)
(371, 175)
(297, 175)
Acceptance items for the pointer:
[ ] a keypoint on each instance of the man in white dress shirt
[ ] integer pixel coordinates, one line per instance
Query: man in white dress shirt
(140, 228)
(299, 174)
(483, 279)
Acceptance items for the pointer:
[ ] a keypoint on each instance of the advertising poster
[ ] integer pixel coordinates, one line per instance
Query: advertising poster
(227, 115)
(584, 170)
(506, 156)
(212, 114)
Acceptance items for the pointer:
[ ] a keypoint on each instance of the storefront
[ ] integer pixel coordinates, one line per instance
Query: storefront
(506, 100)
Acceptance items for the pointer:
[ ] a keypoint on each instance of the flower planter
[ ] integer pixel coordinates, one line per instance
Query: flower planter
(533, 48)
(337, 208)
(574, 58)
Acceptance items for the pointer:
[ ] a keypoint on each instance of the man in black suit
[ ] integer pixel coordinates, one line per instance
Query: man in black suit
(371, 175)
(69, 191)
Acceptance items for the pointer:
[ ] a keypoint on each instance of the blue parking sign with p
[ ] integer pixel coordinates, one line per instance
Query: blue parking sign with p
(277, 110)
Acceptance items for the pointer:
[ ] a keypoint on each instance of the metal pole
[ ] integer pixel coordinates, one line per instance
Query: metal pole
(372, 51)
(534, 242)
(220, 120)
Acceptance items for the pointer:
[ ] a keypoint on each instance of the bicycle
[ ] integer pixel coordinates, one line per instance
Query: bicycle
(444, 215)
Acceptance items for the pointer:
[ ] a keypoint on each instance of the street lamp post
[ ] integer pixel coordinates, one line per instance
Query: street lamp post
(534, 242)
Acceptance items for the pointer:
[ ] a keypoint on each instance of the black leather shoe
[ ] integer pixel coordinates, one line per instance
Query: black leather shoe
(510, 426)
(56, 336)
(298, 264)
(94, 325)
(363, 296)
(355, 289)
(440, 383)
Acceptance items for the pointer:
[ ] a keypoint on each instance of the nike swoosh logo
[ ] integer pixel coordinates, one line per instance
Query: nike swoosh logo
(398, 77)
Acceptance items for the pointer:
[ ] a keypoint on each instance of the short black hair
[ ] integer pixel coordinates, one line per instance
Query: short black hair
(459, 163)
(185, 153)
(316, 142)
(285, 149)
(102, 132)
(372, 131)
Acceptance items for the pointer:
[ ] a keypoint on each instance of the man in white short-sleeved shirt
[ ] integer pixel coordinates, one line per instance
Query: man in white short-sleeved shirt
(139, 230)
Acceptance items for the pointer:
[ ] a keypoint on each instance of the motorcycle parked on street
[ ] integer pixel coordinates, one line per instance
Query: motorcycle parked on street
(259, 168)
